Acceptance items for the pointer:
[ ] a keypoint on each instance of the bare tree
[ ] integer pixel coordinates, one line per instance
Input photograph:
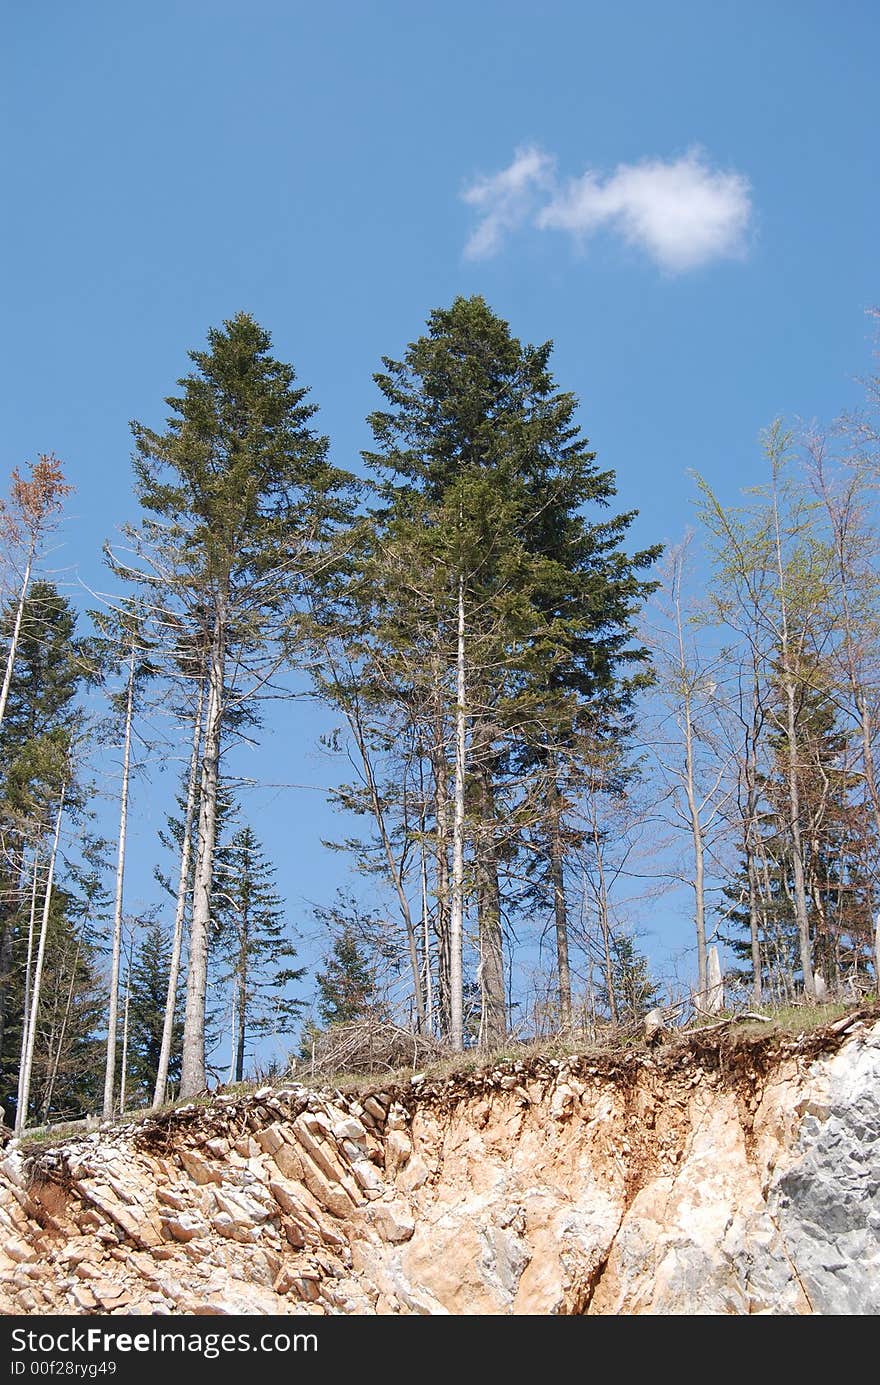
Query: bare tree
(693, 761)
(27, 1066)
(34, 509)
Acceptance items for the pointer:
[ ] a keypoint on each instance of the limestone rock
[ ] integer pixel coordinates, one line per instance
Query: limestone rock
(398, 1148)
(200, 1170)
(393, 1220)
(653, 1183)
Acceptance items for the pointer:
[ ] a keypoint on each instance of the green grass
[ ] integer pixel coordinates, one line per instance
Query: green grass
(44, 1136)
(799, 1019)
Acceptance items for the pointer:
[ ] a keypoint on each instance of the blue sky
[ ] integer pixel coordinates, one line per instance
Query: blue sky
(690, 211)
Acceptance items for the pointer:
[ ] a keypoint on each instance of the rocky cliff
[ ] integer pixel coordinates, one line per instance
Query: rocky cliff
(706, 1176)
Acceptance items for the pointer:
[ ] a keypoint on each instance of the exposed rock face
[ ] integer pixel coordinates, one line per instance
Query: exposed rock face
(698, 1178)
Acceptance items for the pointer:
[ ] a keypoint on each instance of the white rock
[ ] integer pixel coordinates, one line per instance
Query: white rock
(393, 1220)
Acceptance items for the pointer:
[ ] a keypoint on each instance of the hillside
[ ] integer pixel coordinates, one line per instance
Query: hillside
(713, 1174)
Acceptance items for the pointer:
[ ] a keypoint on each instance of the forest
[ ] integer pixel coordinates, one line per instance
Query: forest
(542, 731)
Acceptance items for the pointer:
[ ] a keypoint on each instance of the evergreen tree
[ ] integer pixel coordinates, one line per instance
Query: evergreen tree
(239, 500)
(254, 946)
(67, 1067)
(347, 986)
(838, 849)
(490, 607)
(41, 731)
(148, 989)
(634, 993)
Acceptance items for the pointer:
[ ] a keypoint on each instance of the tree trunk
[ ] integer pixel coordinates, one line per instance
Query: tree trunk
(794, 807)
(699, 856)
(16, 631)
(754, 925)
(123, 1067)
(605, 926)
(441, 851)
(456, 910)
(21, 1112)
(59, 1047)
(693, 806)
(241, 1016)
(560, 911)
(354, 720)
(796, 843)
(749, 851)
(25, 1009)
(493, 1020)
(6, 945)
(425, 920)
(192, 1068)
(232, 1033)
(110, 1065)
(180, 909)
(6, 938)
(241, 980)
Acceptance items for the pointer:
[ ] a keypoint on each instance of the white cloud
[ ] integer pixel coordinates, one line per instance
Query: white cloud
(506, 199)
(681, 212)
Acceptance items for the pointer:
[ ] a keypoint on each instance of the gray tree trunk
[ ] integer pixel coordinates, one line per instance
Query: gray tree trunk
(560, 911)
(427, 981)
(493, 1023)
(110, 1064)
(161, 1087)
(192, 1068)
(123, 1067)
(796, 843)
(441, 853)
(25, 1013)
(456, 909)
(21, 1112)
(604, 924)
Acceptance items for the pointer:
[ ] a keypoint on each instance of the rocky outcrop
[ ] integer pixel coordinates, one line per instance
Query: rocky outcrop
(703, 1177)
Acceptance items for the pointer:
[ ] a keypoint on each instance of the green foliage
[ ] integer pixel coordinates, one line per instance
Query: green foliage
(148, 982)
(635, 993)
(347, 985)
(483, 485)
(239, 483)
(40, 742)
(67, 1051)
(481, 465)
(253, 945)
(42, 721)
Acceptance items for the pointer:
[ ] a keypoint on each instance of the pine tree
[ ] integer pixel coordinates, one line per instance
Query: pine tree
(347, 986)
(67, 1065)
(239, 500)
(149, 985)
(838, 850)
(491, 610)
(254, 946)
(632, 993)
(40, 732)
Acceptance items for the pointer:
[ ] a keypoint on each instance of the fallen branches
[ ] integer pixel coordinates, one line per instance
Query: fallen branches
(370, 1045)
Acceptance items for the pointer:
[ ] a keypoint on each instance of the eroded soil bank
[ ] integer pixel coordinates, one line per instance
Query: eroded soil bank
(709, 1175)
